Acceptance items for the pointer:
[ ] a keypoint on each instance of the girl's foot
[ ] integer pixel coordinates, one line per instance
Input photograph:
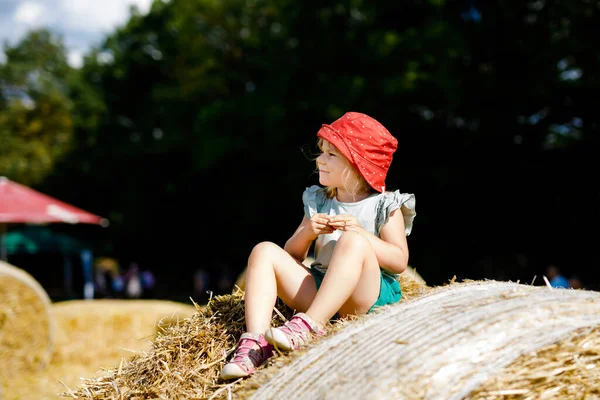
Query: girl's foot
(295, 333)
(252, 351)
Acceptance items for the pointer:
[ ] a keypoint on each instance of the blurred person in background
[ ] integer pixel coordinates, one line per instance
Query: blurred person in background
(106, 278)
(575, 282)
(557, 280)
(148, 283)
(133, 282)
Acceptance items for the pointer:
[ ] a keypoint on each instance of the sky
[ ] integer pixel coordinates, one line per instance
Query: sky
(81, 23)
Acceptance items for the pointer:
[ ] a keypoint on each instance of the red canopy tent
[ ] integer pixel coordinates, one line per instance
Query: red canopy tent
(21, 204)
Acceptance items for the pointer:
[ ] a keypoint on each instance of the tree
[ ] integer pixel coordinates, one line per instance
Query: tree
(189, 116)
(36, 124)
(196, 97)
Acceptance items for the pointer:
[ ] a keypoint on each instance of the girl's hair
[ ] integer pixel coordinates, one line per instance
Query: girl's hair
(360, 186)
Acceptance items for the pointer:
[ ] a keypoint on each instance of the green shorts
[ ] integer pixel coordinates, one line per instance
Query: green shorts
(389, 289)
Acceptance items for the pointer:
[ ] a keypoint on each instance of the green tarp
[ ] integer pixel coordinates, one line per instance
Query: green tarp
(37, 239)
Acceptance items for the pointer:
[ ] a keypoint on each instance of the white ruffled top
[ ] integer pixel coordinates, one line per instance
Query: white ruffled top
(372, 213)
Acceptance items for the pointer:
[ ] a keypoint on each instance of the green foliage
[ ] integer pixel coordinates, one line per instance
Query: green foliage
(199, 104)
(36, 125)
(41, 52)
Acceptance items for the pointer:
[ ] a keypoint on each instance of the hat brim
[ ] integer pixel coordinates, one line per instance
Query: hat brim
(328, 133)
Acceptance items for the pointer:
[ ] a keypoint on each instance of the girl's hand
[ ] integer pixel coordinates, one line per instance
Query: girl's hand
(345, 222)
(318, 225)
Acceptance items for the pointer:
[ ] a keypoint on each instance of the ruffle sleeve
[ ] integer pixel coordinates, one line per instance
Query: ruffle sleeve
(313, 199)
(391, 201)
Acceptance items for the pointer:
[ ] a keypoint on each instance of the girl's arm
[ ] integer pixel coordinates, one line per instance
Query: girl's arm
(297, 246)
(391, 247)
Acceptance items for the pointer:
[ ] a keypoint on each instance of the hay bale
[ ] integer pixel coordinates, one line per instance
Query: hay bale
(568, 369)
(184, 361)
(462, 340)
(94, 334)
(26, 325)
(443, 345)
(109, 329)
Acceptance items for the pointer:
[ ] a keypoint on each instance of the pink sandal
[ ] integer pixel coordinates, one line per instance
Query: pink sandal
(295, 333)
(247, 357)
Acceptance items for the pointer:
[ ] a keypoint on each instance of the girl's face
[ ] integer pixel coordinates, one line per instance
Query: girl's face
(334, 168)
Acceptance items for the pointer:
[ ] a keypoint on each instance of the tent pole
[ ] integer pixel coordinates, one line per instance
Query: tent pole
(3, 253)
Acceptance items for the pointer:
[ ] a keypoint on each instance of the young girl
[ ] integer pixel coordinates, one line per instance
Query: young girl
(359, 231)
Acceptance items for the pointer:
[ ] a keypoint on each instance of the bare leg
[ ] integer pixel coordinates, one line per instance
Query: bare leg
(351, 284)
(272, 271)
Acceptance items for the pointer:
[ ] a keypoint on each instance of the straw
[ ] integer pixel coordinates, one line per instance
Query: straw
(185, 360)
(26, 326)
(475, 339)
(443, 345)
(109, 329)
(91, 335)
(564, 370)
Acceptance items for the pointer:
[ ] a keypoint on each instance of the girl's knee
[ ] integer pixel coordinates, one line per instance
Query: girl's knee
(357, 247)
(354, 240)
(265, 250)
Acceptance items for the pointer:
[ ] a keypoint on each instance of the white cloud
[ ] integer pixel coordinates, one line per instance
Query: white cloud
(98, 16)
(29, 13)
(81, 23)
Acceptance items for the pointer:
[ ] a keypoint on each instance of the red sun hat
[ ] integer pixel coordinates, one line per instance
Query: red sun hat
(365, 142)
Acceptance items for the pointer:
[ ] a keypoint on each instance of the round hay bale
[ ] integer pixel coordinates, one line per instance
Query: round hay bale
(92, 335)
(444, 344)
(184, 362)
(26, 324)
(562, 370)
(108, 329)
